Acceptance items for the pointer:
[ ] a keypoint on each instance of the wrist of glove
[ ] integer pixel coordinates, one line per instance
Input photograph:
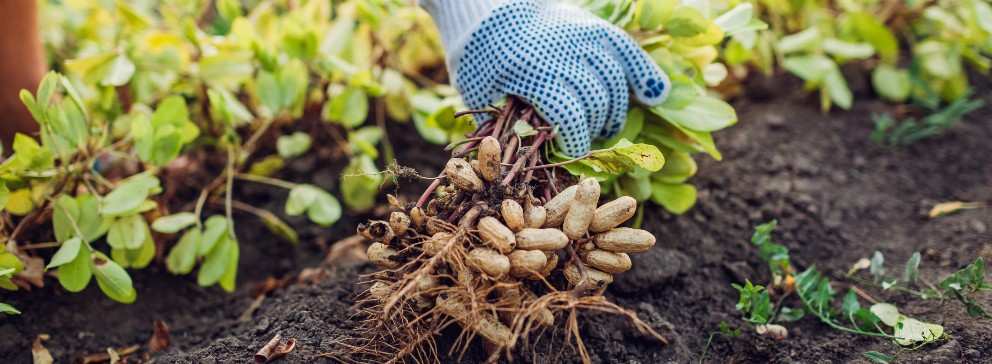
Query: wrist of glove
(575, 69)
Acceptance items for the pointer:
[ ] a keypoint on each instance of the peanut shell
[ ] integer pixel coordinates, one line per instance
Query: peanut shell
(607, 261)
(488, 261)
(612, 214)
(489, 158)
(380, 254)
(580, 214)
(541, 239)
(625, 240)
(598, 278)
(526, 263)
(513, 214)
(496, 235)
(558, 206)
(460, 173)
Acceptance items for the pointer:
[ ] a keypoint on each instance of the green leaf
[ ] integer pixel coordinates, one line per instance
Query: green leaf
(127, 197)
(877, 33)
(677, 199)
(215, 230)
(139, 258)
(523, 129)
(877, 357)
(877, 267)
(891, 83)
(643, 155)
(704, 113)
(791, 314)
(911, 331)
(679, 166)
(174, 223)
(64, 213)
(686, 22)
(229, 9)
(228, 280)
(912, 270)
(848, 50)
(128, 232)
(120, 71)
(279, 227)
(182, 257)
(8, 309)
(887, 313)
(654, 13)
(736, 18)
(90, 223)
(75, 275)
(349, 108)
(269, 94)
(325, 209)
(632, 128)
(66, 253)
(215, 264)
(805, 40)
(113, 280)
(293, 145)
(638, 188)
(360, 183)
(851, 305)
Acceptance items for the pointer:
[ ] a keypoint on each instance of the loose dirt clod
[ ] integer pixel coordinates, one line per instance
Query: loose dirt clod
(483, 253)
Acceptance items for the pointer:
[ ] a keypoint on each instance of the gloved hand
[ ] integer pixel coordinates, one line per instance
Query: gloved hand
(571, 66)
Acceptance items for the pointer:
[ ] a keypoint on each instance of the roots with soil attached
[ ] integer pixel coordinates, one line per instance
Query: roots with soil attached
(503, 250)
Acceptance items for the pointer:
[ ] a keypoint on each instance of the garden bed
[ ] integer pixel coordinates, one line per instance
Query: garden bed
(837, 197)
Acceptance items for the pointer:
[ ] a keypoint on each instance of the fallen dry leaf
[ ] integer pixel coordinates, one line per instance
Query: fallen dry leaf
(106, 355)
(349, 251)
(33, 273)
(946, 208)
(39, 353)
(161, 338)
(248, 312)
(274, 349)
(863, 263)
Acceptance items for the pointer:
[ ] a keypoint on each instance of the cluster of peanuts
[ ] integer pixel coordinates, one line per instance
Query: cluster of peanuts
(521, 237)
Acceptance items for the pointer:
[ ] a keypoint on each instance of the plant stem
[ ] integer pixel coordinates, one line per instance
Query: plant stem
(427, 194)
(559, 164)
(230, 191)
(267, 180)
(520, 161)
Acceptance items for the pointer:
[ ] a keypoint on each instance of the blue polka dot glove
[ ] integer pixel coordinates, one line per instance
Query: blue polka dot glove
(574, 68)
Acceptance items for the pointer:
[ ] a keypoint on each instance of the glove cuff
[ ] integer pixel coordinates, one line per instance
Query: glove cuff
(457, 19)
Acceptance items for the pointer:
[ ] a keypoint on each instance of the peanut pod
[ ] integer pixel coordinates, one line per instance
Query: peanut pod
(491, 330)
(558, 206)
(597, 277)
(607, 261)
(380, 254)
(460, 173)
(490, 153)
(437, 242)
(496, 235)
(378, 231)
(613, 213)
(580, 214)
(527, 263)
(552, 263)
(541, 239)
(399, 222)
(418, 217)
(380, 290)
(513, 214)
(625, 240)
(488, 261)
(534, 216)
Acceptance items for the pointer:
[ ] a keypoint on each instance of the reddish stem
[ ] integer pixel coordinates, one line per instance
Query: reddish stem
(520, 161)
(430, 190)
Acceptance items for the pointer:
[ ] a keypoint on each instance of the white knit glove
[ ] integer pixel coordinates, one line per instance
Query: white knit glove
(571, 66)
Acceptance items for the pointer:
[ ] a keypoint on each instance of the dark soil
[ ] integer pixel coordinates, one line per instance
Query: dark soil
(837, 198)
